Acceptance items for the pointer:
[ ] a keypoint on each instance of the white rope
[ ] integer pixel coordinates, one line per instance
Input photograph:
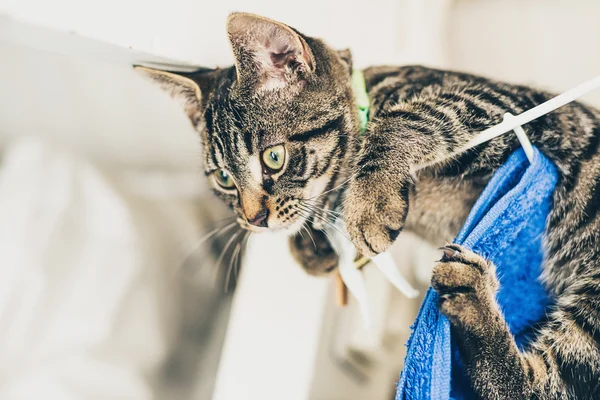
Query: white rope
(514, 123)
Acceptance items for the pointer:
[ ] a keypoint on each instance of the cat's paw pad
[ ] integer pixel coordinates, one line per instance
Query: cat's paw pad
(466, 283)
(313, 251)
(374, 218)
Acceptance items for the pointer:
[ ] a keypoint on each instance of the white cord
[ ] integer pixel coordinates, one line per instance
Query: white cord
(515, 122)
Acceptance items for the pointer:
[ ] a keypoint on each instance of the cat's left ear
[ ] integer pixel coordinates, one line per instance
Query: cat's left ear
(181, 88)
(269, 55)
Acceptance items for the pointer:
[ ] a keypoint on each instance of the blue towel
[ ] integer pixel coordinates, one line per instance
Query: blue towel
(506, 226)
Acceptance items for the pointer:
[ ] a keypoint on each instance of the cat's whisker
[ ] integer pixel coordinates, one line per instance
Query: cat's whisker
(212, 234)
(316, 214)
(332, 213)
(237, 260)
(318, 204)
(237, 268)
(324, 231)
(214, 231)
(332, 225)
(310, 235)
(224, 251)
(301, 234)
(309, 201)
(326, 221)
(335, 188)
(232, 261)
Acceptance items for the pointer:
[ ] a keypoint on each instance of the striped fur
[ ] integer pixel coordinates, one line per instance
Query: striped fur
(421, 115)
(300, 96)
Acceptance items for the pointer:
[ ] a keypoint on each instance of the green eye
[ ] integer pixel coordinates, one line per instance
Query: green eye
(224, 179)
(274, 157)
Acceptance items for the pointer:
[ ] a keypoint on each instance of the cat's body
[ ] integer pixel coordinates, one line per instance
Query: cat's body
(445, 108)
(279, 131)
(564, 361)
(437, 222)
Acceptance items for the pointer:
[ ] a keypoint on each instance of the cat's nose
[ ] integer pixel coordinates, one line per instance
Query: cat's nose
(260, 219)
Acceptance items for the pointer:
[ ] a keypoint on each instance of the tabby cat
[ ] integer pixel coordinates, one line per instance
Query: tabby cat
(282, 147)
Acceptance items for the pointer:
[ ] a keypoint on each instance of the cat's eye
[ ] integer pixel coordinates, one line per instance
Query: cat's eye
(274, 157)
(224, 179)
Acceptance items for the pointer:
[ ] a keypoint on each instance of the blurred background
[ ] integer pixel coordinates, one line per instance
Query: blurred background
(108, 289)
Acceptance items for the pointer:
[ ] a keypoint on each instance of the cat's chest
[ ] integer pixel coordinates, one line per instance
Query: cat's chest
(439, 208)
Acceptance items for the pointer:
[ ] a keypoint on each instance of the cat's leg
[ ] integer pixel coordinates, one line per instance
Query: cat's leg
(563, 361)
(467, 286)
(313, 251)
(376, 199)
(396, 143)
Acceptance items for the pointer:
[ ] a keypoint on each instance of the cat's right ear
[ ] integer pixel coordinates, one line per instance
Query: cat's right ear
(181, 88)
(269, 55)
(346, 57)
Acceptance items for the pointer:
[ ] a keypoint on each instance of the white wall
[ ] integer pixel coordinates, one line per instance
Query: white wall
(552, 44)
(105, 110)
(194, 31)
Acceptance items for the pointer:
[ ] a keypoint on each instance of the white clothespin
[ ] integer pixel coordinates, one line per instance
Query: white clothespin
(385, 263)
(523, 139)
(353, 278)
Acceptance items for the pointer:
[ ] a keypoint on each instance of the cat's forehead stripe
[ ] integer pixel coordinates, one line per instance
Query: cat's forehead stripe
(219, 150)
(248, 141)
(332, 126)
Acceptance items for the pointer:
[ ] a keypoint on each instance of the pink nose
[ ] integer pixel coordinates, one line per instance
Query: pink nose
(260, 219)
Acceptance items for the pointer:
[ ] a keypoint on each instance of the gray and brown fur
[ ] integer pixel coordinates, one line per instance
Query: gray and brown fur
(287, 88)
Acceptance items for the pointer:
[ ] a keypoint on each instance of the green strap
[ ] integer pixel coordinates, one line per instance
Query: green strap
(362, 98)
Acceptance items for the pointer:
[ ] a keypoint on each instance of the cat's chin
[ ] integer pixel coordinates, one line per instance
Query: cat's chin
(289, 229)
(294, 227)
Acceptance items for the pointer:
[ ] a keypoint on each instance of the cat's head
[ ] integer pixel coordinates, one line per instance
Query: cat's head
(277, 128)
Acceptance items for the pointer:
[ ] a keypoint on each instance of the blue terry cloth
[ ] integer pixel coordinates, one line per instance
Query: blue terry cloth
(506, 226)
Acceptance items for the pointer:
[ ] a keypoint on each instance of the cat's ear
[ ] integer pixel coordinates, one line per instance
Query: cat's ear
(346, 57)
(181, 88)
(269, 55)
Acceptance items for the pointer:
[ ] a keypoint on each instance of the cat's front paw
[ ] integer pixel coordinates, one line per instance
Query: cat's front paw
(467, 284)
(313, 251)
(374, 215)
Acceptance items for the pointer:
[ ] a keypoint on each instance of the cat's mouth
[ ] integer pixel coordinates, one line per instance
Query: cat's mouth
(319, 213)
(290, 215)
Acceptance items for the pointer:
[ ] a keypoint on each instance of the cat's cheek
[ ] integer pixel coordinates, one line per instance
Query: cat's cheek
(316, 186)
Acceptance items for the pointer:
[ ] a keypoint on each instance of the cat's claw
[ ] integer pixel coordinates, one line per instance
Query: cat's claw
(466, 283)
